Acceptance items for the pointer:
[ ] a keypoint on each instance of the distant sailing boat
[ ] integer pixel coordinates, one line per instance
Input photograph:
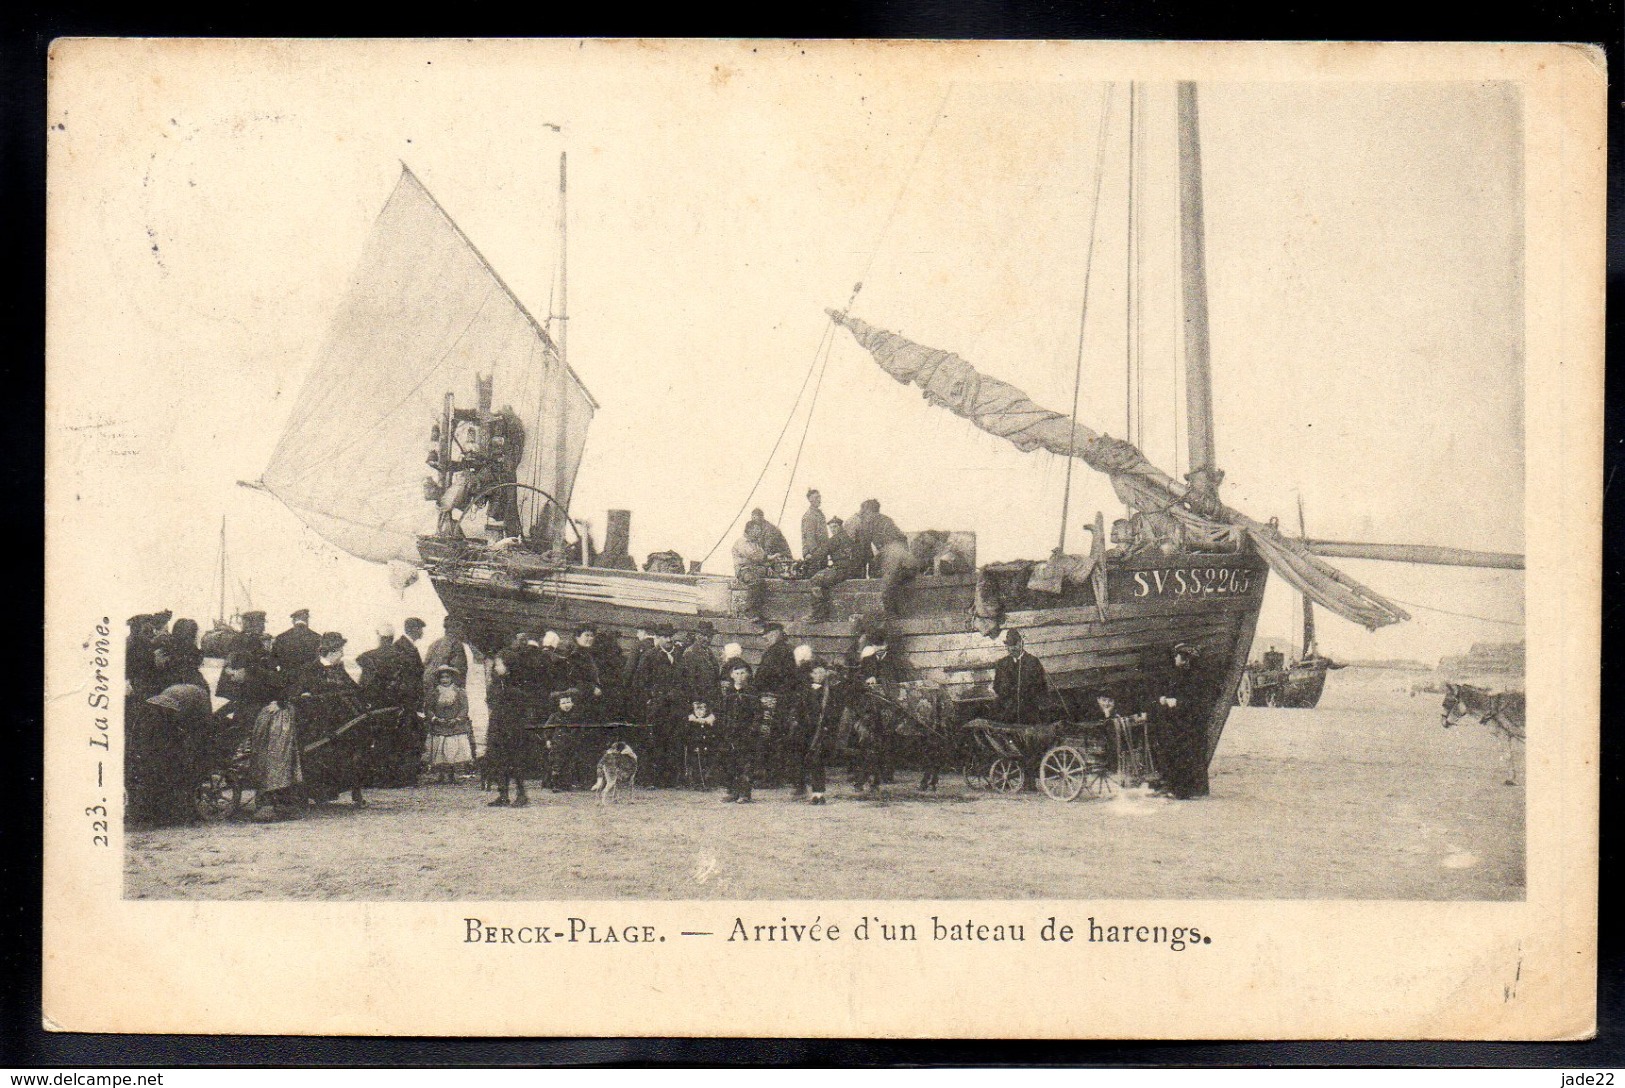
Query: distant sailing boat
(217, 639)
(1272, 680)
(433, 360)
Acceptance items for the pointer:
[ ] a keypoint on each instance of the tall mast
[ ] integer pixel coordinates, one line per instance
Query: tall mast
(561, 431)
(564, 267)
(1303, 599)
(1204, 473)
(220, 617)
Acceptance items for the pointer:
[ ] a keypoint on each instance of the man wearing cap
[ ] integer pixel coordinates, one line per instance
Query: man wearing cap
(1020, 684)
(411, 660)
(814, 530)
(407, 644)
(818, 718)
(876, 713)
(840, 552)
(768, 535)
(380, 670)
(295, 648)
(1179, 711)
(775, 682)
(739, 716)
(659, 684)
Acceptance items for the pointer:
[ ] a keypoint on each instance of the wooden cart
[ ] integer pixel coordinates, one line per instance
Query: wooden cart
(1066, 760)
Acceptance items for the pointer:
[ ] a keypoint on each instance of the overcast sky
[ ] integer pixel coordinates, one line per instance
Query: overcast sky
(1364, 246)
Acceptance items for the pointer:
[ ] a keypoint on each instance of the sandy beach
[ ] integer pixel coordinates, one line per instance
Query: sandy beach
(1365, 797)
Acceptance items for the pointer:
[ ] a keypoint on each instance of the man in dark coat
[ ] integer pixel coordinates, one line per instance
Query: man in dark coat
(295, 648)
(814, 530)
(775, 682)
(700, 664)
(660, 686)
(1020, 685)
(139, 671)
(381, 667)
(1183, 700)
(739, 717)
(877, 722)
(818, 706)
(513, 699)
(411, 693)
(606, 651)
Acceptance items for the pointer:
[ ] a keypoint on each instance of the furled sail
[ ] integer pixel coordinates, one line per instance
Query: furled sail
(999, 408)
(425, 316)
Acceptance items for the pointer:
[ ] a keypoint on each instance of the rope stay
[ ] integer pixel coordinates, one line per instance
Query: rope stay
(1083, 310)
(820, 362)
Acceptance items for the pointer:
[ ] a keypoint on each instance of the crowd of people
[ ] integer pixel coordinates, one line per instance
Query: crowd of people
(700, 716)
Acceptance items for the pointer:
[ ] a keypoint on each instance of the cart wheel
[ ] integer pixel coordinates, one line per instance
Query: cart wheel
(1006, 776)
(976, 774)
(214, 798)
(1098, 781)
(1244, 690)
(1062, 772)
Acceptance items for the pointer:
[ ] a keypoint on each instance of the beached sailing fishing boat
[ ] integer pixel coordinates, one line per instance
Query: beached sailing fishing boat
(432, 361)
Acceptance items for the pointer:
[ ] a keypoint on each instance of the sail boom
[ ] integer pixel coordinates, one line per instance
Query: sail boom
(1426, 554)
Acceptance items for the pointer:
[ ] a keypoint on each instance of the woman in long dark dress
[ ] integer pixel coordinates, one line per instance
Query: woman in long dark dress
(167, 735)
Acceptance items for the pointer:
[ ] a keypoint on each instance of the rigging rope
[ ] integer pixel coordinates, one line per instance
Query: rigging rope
(1459, 615)
(1083, 312)
(795, 465)
(826, 342)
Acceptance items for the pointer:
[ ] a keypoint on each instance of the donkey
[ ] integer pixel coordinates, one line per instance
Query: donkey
(1504, 711)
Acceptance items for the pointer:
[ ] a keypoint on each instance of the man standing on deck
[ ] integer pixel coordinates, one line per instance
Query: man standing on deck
(813, 527)
(1020, 685)
(659, 683)
(295, 648)
(840, 551)
(882, 544)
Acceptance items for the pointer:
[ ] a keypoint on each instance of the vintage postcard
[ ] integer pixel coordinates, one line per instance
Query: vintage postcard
(906, 539)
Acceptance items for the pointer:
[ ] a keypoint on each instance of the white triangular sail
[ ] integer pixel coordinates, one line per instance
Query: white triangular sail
(425, 316)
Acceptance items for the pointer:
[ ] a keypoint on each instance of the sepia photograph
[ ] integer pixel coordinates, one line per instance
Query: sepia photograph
(723, 472)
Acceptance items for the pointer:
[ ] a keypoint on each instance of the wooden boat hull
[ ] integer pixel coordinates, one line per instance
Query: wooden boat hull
(1298, 687)
(1150, 604)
